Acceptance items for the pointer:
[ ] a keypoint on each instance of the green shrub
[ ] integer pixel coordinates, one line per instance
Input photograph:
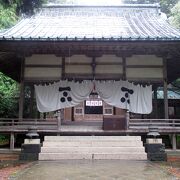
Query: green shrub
(4, 139)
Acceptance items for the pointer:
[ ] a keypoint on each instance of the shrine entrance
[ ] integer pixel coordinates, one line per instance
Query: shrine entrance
(95, 113)
(92, 109)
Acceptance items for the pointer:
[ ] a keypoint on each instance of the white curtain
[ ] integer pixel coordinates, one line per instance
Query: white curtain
(125, 95)
(122, 94)
(61, 95)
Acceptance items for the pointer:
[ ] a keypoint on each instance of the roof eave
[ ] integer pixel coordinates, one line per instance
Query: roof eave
(102, 39)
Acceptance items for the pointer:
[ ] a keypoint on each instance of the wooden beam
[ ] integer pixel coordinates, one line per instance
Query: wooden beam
(63, 68)
(21, 97)
(124, 68)
(144, 66)
(93, 64)
(43, 66)
(155, 102)
(166, 115)
(154, 80)
(41, 79)
(31, 101)
(78, 63)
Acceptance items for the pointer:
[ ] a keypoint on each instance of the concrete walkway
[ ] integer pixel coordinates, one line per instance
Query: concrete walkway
(94, 170)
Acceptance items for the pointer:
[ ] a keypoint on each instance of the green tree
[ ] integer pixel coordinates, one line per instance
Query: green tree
(8, 16)
(11, 10)
(8, 97)
(28, 7)
(167, 5)
(175, 15)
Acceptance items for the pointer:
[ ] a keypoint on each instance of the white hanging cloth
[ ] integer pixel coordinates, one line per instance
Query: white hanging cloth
(125, 95)
(122, 94)
(62, 94)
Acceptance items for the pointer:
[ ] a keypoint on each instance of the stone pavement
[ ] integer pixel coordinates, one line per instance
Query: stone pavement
(11, 168)
(94, 170)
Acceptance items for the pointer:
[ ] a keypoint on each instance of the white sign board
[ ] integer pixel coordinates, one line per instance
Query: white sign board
(93, 103)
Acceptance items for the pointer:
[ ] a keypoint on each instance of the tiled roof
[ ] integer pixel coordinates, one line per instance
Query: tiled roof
(132, 22)
(171, 94)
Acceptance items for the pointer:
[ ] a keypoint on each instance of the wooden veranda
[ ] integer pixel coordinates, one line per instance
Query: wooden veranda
(14, 126)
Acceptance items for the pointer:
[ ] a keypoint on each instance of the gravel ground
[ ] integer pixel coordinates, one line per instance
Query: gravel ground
(9, 164)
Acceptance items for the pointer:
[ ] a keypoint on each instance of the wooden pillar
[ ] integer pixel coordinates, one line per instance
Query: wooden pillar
(127, 120)
(31, 102)
(59, 120)
(124, 78)
(174, 146)
(93, 64)
(155, 102)
(165, 88)
(12, 140)
(21, 96)
(124, 67)
(63, 68)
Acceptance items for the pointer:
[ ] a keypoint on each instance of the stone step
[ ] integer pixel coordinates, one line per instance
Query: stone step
(98, 156)
(103, 138)
(92, 147)
(92, 150)
(85, 143)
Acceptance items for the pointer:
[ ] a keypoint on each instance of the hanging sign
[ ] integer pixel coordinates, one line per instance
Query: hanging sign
(93, 103)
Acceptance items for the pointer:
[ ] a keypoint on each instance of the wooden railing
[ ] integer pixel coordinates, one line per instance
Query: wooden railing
(53, 125)
(161, 124)
(12, 124)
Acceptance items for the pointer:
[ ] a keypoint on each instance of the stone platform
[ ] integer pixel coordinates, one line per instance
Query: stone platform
(92, 147)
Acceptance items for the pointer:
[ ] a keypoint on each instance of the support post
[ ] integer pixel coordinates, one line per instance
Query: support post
(93, 65)
(31, 101)
(59, 120)
(63, 67)
(124, 67)
(12, 140)
(174, 146)
(155, 102)
(127, 120)
(124, 78)
(21, 97)
(165, 89)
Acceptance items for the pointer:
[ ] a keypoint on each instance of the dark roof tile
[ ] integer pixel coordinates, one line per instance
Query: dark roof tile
(120, 22)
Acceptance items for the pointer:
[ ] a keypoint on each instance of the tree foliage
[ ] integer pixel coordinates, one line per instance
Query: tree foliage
(10, 10)
(8, 16)
(175, 15)
(167, 5)
(8, 97)
(28, 7)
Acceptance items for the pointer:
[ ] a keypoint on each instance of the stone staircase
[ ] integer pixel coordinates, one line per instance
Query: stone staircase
(92, 147)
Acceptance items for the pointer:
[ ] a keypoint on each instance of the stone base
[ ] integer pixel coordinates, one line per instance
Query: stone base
(154, 148)
(153, 141)
(31, 148)
(157, 156)
(30, 152)
(32, 141)
(29, 156)
(156, 152)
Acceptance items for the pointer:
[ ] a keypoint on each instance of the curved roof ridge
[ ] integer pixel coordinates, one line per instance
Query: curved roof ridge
(155, 5)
